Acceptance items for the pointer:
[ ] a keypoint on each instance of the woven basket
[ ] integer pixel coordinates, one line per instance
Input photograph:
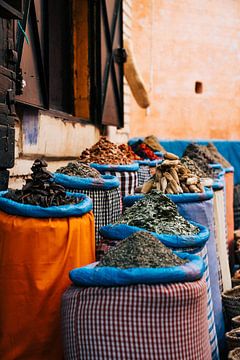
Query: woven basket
(233, 339)
(231, 302)
(235, 282)
(236, 322)
(234, 354)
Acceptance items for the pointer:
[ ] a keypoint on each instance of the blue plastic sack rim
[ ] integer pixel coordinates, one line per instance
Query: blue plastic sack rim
(112, 167)
(106, 182)
(35, 211)
(91, 275)
(122, 231)
(129, 200)
(151, 163)
(229, 169)
(216, 166)
(218, 185)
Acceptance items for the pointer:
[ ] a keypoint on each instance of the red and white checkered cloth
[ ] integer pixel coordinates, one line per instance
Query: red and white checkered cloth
(139, 322)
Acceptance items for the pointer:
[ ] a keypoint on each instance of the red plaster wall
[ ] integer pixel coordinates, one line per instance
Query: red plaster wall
(179, 42)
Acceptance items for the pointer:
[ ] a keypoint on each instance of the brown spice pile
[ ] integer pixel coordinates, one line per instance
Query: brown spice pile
(104, 152)
(217, 156)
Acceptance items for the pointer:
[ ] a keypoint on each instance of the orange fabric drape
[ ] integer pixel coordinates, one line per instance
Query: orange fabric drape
(229, 180)
(36, 256)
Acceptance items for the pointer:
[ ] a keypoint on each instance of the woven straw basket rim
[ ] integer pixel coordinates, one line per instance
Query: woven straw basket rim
(232, 293)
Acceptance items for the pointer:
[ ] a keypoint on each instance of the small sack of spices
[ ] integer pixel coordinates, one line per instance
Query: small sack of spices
(139, 259)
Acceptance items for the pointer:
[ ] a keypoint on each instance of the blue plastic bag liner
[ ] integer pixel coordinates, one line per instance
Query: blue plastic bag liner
(218, 184)
(150, 163)
(109, 167)
(91, 275)
(106, 182)
(14, 208)
(230, 169)
(122, 231)
(129, 200)
(216, 166)
(158, 153)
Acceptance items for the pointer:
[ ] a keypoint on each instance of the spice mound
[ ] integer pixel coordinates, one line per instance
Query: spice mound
(153, 143)
(144, 151)
(127, 151)
(193, 167)
(105, 152)
(140, 250)
(172, 177)
(217, 156)
(41, 189)
(157, 213)
(201, 158)
(79, 169)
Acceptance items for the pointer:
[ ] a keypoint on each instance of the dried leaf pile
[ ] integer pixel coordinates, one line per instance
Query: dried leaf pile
(104, 152)
(41, 190)
(157, 213)
(201, 158)
(217, 156)
(153, 143)
(172, 177)
(140, 250)
(79, 169)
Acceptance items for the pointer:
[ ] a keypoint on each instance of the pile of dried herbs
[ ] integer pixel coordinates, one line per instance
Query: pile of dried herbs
(104, 152)
(41, 190)
(79, 169)
(196, 153)
(157, 213)
(140, 250)
(193, 167)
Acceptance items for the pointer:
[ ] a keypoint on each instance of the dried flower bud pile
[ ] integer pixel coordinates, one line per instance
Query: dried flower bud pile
(144, 151)
(195, 152)
(41, 190)
(104, 152)
(79, 169)
(172, 177)
(127, 151)
(140, 250)
(157, 213)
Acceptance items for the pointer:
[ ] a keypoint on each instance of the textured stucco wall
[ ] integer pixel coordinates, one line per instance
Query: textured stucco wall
(177, 43)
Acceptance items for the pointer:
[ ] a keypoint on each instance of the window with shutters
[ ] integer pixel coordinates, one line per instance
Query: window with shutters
(71, 58)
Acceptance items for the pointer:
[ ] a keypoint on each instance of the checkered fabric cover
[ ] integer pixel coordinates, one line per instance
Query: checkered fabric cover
(106, 244)
(139, 322)
(107, 207)
(128, 181)
(143, 174)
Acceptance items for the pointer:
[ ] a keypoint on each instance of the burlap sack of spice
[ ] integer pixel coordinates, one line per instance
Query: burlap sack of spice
(134, 79)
